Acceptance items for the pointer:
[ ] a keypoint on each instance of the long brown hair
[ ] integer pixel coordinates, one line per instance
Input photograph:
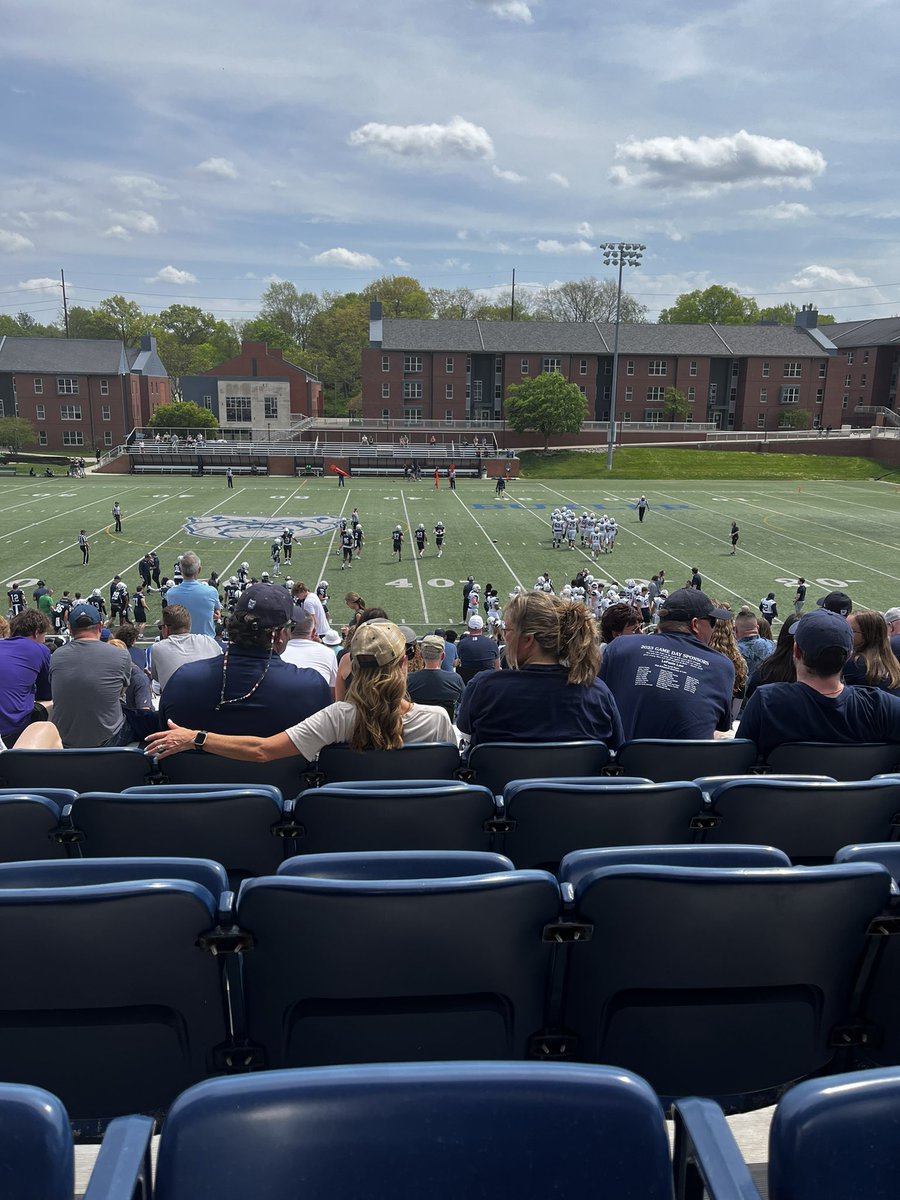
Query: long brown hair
(724, 640)
(564, 629)
(378, 694)
(875, 654)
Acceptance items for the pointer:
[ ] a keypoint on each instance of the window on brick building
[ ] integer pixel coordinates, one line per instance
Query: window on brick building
(849, 358)
(39, 386)
(385, 391)
(412, 391)
(629, 366)
(552, 366)
(270, 404)
(761, 421)
(655, 393)
(70, 412)
(412, 364)
(104, 387)
(40, 412)
(792, 370)
(107, 437)
(105, 413)
(765, 370)
(823, 369)
(653, 415)
(73, 437)
(66, 385)
(691, 394)
(42, 437)
(790, 395)
(448, 391)
(820, 395)
(629, 393)
(385, 362)
(582, 367)
(524, 367)
(449, 365)
(764, 396)
(692, 368)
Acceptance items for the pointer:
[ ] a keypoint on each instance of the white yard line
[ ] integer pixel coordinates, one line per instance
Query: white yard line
(243, 550)
(489, 540)
(331, 542)
(415, 553)
(9, 537)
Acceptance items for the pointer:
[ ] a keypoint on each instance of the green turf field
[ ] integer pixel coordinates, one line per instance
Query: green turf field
(838, 534)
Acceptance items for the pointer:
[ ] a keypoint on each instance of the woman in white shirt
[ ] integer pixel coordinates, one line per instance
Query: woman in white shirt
(377, 715)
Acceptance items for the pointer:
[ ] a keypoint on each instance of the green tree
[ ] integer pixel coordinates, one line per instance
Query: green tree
(785, 314)
(400, 296)
(337, 336)
(289, 311)
(126, 317)
(715, 305)
(546, 404)
(181, 416)
(16, 433)
(91, 323)
(587, 300)
(265, 329)
(676, 405)
(453, 304)
(500, 308)
(794, 418)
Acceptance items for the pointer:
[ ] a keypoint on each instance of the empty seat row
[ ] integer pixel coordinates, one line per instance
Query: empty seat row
(730, 981)
(535, 823)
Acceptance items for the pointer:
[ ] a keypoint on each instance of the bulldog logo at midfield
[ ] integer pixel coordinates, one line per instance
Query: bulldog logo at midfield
(245, 529)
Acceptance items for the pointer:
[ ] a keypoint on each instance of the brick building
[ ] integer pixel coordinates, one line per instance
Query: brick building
(865, 371)
(742, 377)
(82, 395)
(259, 390)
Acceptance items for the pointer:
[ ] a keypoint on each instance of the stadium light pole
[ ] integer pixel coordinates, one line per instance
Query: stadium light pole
(618, 254)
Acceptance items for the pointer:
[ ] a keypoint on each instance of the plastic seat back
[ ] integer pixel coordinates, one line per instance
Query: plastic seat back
(848, 762)
(196, 766)
(419, 760)
(400, 970)
(87, 872)
(36, 1156)
(331, 819)
(663, 760)
(113, 770)
(808, 821)
(393, 864)
(407, 1131)
(837, 1137)
(576, 868)
(28, 824)
(717, 982)
(495, 764)
(543, 820)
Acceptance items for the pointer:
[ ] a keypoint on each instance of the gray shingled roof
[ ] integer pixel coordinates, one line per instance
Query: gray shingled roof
(882, 331)
(569, 337)
(63, 356)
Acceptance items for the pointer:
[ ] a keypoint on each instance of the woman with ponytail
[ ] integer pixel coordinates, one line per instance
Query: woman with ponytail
(551, 692)
(375, 716)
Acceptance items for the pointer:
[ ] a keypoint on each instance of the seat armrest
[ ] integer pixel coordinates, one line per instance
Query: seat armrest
(122, 1170)
(706, 1157)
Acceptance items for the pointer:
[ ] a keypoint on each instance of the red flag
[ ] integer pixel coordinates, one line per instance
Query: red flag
(338, 471)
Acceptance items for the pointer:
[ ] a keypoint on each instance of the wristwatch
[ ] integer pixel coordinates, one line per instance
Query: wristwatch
(200, 739)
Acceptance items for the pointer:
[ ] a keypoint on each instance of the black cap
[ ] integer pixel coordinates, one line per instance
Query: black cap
(836, 602)
(687, 603)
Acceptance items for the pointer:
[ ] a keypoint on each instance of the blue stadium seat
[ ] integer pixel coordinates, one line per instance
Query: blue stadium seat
(436, 1130)
(393, 864)
(837, 1137)
(419, 760)
(664, 761)
(109, 998)
(849, 762)
(29, 824)
(196, 766)
(113, 770)
(89, 872)
(575, 868)
(384, 816)
(60, 796)
(808, 821)
(36, 1156)
(238, 827)
(412, 969)
(495, 764)
(716, 982)
(545, 819)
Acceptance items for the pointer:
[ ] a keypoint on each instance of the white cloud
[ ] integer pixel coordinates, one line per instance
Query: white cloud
(706, 165)
(173, 275)
(117, 231)
(219, 168)
(462, 234)
(509, 176)
(46, 284)
(559, 180)
(11, 242)
(551, 246)
(584, 230)
(815, 276)
(136, 221)
(278, 184)
(401, 263)
(458, 138)
(786, 211)
(147, 189)
(338, 256)
(509, 10)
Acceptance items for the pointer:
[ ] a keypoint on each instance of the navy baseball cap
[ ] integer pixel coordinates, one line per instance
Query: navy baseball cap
(270, 604)
(816, 632)
(836, 602)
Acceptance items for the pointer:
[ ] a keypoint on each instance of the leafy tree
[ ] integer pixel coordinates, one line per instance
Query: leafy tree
(453, 304)
(794, 418)
(337, 336)
(265, 329)
(546, 404)
(588, 300)
(180, 416)
(676, 405)
(9, 327)
(785, 314)
(400, 296)
(289, 311)
(16, 433)
(91, 323)
(717, 305)
(126, 317)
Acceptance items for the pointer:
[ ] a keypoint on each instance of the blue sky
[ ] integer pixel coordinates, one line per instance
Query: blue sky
(194, 153)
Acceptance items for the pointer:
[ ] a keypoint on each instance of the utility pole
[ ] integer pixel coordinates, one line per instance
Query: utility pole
(512, 303)
(62, 279)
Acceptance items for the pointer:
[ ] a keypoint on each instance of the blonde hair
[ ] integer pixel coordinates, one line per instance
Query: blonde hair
(725, 641)
(378, 695)
(563, 629)
(875, 653)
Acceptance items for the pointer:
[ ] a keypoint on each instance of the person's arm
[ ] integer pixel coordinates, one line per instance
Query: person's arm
(345, 669)
(177, 738)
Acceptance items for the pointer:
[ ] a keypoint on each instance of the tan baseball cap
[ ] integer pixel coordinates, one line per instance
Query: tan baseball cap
(381, 641)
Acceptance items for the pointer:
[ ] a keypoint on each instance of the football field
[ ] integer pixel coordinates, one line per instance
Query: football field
(837, 534)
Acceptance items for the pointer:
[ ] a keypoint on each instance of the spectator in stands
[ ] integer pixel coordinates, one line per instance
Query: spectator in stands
(723, 639)
(178, 645)
(201, 601)
(836, 602)
(136, 700)
(754, 648)
(451, 654)
(669, 684)
(128, 636)
(304, 598)
(476, 652)
(305, 650)
(617, 621)
(872, 663)
(431, 685)
(778, 667)
(819, 707)
(551, 693)
(24, 674)
(892, 617)
(250, 688)
(375, 716)
(88, 680)
(345, 660)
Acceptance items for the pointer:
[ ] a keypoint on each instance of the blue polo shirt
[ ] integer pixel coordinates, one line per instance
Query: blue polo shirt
(200, 600)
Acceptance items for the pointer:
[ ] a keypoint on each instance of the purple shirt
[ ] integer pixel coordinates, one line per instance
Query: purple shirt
(24, 678)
